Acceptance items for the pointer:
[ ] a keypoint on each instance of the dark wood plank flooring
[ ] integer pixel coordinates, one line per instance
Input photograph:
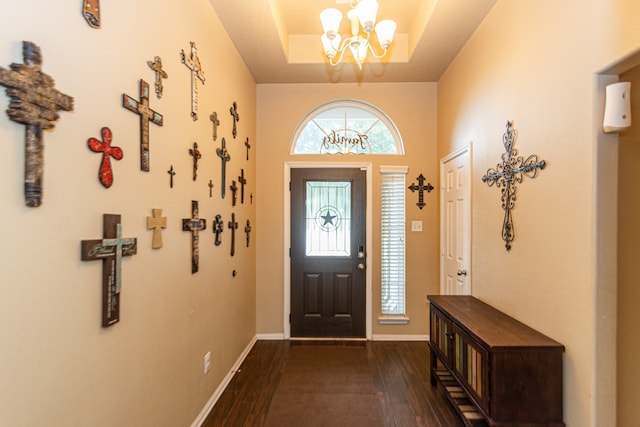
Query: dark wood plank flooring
(400, 372)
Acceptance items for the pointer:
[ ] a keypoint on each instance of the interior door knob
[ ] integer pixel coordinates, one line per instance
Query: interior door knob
(462, 272)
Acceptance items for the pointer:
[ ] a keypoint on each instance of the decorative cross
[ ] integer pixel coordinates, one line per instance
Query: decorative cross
(421, 188)
(507, 174)
(193, 63)
(247, 229)
(156, 65)
(251, 197)
(156, 223)
(233, 225)
(242, 180)
(146, 115)
(214, 119)
(234, 192)
(246, 144)
(34, 102)
(210, 188)
(106, 174)
(195, 153)
(194, 225)
(110, 249)
(218, 227)
(171, 173)
(236, 118)
(91, 12)
(224, 157)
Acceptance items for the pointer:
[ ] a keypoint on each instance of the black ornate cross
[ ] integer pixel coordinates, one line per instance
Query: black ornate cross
(234, 192)
(214, 119)
(156, 65)
(194, 225)
(421, 189)
(236, 118)
(197, 155)
(507, 174)
(233, 225)
(242, 180)
(146, 115)
(34, 102)
(110, 249)
(224, 157)
(247, 229)
(246, 144)
(218, 227)
(193, 63)
(171, 173)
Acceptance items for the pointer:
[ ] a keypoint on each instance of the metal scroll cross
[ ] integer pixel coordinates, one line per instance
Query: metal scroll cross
(421, 188)
(156, 223)
(195, 153)
(110, 249)
(234, 192)
(156, 65)
(242, 180)
(104, 147)
(507, 174)
(91, 12)
(194, 225)
(246, 144)
(214, 119)
(247, 229)
(193, 63)
(233, 225)
(171, 173)
(218, 227)
(34, 102)
(146, 115)
(236, 118)
(224, 157)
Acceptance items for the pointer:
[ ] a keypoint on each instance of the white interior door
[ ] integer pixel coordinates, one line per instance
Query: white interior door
(455, 223)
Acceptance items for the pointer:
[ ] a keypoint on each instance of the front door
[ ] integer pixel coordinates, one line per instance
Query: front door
(328, 233)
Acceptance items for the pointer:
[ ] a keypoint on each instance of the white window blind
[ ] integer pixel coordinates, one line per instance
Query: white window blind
(393, 240)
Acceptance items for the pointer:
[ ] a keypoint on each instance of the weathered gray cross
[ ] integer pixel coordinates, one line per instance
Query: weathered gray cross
(194, 225)
(146, 115)
(193, 63)
(224, 158)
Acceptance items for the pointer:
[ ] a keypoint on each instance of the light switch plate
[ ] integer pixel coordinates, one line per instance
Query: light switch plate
(416, 225)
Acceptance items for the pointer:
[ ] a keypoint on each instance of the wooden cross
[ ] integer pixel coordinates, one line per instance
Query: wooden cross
(234, 190)
(193, 63)
(246, 144)
(156, 223)
(106, 173)
(110, 249)
(233, 225)
(236, 118)
(247, 229)
(421, 188)
(242, 180)
(34, 102)
(507, 174)
(214, 119)
(156, 65)
(194, 225)
(210, 188)
(91, 12)
(195, 153)
(146, 115)
(171, 173)
(218, 227)
(224, 158)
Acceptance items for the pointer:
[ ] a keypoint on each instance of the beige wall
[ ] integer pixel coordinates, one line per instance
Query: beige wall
(412, 107)
(58, 367)
(534, 63)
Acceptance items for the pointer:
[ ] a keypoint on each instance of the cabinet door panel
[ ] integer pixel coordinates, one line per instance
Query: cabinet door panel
(470, 363)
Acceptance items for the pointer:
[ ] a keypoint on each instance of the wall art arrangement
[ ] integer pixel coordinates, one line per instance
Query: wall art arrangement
(511, 171)
(35, 102)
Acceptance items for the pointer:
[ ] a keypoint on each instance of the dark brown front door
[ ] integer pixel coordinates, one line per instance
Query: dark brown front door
(328, 232)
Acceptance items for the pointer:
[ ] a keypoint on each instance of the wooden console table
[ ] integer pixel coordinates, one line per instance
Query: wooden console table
(495, 370)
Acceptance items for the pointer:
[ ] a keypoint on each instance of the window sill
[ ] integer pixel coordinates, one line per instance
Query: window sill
(393, 320)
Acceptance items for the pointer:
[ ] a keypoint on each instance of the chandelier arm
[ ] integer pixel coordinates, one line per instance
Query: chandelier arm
(343, 47)
(373, 52)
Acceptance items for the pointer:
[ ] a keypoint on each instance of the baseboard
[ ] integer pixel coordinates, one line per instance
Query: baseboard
(270, 337)
(223, 385)
(377, 337)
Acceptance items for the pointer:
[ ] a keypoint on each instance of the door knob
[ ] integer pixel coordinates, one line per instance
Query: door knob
(361, 266)
(462, 272)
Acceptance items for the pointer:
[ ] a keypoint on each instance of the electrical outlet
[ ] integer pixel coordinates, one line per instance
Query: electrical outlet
(207, 362)
(416, 225)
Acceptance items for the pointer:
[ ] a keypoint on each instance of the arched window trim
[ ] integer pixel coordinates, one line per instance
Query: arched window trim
(349, 103)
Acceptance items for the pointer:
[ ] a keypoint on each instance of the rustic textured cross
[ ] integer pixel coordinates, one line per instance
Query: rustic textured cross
(233, 225)
(224, 158)
(146, 115)
(507, 174)
(193, 64)
(218, 227)
(242, 180)
(91, 12)
(171, 173)
(234, 192)
(421, 189)
(34, 102)
(106, 173)
(156, 223)
(194, 225)
(247, 229)
(197, 155)
(236, 118)
(214, 119)
(156, 65)
(246, 144)
(210, 188)
(110, 249)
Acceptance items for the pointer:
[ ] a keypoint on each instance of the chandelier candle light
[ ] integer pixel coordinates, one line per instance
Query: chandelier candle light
(362, 14)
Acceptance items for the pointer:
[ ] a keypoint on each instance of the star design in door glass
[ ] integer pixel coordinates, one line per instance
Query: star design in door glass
(328, 218)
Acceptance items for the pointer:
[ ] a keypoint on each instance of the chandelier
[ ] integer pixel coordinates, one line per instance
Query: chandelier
(362, 14)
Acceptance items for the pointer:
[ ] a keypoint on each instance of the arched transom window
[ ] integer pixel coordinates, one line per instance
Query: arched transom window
(347, 126)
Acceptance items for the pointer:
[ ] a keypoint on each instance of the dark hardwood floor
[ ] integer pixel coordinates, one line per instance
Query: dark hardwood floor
(400, 373)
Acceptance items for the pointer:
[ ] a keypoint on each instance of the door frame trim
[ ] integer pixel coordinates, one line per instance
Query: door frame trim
(368, 167)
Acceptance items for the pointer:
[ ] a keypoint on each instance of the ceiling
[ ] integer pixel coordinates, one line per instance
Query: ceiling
(279, 40)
